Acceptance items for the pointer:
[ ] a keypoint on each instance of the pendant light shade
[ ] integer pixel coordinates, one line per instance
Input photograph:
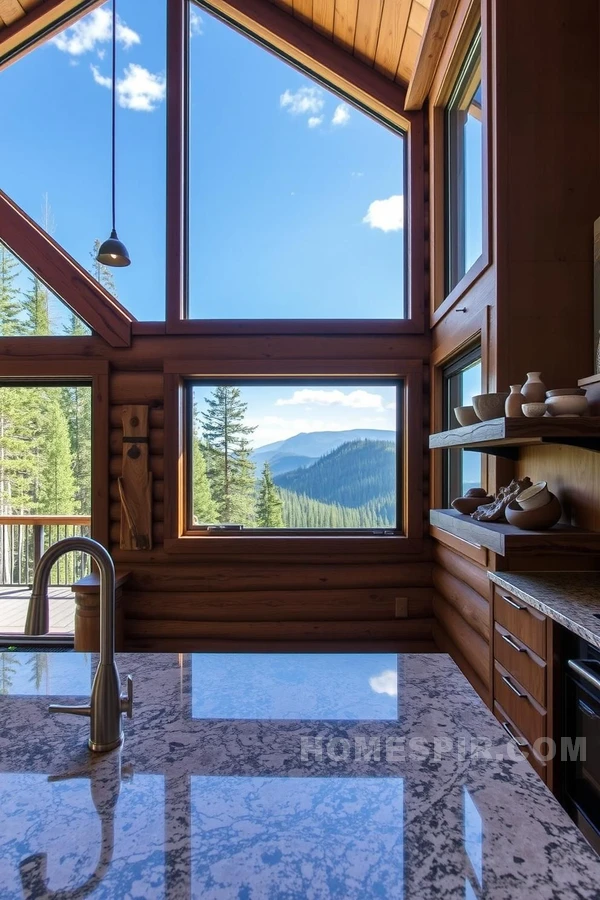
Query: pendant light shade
(113, 252)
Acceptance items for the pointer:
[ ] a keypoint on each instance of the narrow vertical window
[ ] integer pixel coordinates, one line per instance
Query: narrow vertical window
(462, 468)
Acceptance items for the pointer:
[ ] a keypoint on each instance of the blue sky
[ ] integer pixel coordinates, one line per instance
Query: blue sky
(296, 198)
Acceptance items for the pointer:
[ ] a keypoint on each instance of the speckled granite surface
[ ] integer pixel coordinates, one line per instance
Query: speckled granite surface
(426, 800)
(570, 598)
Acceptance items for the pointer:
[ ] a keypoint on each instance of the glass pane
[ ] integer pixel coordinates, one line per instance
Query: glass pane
(56, 163)
(296, 198)
(464, 169)
(294, 456)
(470, 384)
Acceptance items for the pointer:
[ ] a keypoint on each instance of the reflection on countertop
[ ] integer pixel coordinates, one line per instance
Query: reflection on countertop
(570, 598)
(428, 801)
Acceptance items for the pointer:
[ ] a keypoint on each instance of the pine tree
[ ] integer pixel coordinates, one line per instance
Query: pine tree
(76, 403)
(230, 470)
(102, 273)
(269, 512)
(9, 293)
(56, 486)
(204, 507)
(37, 308)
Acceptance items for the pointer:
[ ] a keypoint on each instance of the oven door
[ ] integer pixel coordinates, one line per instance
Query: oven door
(582, 769)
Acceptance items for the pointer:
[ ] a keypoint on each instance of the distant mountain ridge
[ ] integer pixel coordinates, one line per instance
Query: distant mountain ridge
(304, 449)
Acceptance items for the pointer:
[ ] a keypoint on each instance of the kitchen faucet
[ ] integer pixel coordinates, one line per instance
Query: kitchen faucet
(106, 704)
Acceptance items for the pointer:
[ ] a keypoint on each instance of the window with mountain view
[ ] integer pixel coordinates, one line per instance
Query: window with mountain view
(308, 455)
(296, 197)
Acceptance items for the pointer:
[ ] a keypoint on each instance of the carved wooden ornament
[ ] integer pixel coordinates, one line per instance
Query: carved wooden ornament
(135, 483)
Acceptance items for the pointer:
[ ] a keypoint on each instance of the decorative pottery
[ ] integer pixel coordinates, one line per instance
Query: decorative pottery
(534, 389)
(466, 415)
(494, 511)
(534, 410)
(566, 392)
(514, 402)
(476, 492)
(534, 519)
(535, 496)
(490, 406)
(468, 505)
(569, 405)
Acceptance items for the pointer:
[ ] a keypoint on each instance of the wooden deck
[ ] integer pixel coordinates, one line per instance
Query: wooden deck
(15, 600)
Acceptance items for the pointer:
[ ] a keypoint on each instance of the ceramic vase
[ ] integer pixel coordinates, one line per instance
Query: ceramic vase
(514, 402)
(534, 389)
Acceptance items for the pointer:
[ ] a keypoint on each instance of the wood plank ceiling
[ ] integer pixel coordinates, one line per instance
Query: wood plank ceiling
(383, 34)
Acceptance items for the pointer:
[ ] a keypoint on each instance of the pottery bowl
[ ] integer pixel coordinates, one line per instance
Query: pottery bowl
(566, 392)
(490, 406)
(535, 496)
(476, 492)
(468, 505)
(569, 405)
(534, 410)
(466, 415)
(534, 519)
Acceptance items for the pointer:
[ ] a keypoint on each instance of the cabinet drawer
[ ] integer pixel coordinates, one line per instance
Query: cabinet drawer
(527, 715)
(522, 743)
(527, 668)
(525, 623)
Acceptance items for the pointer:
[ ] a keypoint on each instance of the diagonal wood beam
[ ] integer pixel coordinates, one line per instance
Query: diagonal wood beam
(437, 26)
(65, 277)
(317, 54)
(45, 19)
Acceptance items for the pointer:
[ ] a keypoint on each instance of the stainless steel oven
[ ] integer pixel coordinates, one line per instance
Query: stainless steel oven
(580, 752)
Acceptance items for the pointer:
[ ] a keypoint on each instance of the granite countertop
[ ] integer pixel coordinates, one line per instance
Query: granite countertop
(570, 598)
(267, 776)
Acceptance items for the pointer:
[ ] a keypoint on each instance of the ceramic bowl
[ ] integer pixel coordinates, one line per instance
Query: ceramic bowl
(490, 406)
(476, 492)
(534, 410)
(534, 519)
(466, 415)
(569, 405)
(535, 496)
(468, 505)
(566, 392)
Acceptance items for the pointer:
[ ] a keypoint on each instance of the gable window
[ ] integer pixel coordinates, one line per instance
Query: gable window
(296, 197)
(462, 468)
(299, 456)
(464, 169)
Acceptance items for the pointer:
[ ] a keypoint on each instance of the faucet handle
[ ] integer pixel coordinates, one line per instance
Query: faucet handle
(127, 702)
(72, 710)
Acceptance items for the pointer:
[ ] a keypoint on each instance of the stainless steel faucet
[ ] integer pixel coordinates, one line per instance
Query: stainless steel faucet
(106, 704)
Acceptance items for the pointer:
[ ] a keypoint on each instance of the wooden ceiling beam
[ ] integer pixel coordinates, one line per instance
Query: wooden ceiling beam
(437, 27)
(63, 275)
(313, 51)
(46, 18)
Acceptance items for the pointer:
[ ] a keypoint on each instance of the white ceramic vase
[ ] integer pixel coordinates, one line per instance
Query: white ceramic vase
(534, 389)
(514, 402)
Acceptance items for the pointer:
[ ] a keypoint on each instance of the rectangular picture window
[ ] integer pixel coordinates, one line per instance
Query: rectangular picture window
(294, 456)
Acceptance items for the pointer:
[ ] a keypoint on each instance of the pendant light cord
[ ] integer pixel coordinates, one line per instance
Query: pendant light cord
(114, 110)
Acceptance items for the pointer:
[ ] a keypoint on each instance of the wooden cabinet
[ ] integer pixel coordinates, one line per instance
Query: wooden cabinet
(522, 641)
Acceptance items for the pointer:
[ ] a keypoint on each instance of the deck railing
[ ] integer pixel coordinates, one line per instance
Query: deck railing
(23, 539)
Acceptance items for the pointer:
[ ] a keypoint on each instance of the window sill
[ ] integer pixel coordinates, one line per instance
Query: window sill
(375, 546)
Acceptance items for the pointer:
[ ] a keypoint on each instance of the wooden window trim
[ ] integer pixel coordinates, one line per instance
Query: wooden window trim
(37, 369)
(466, 21)
(179, 541)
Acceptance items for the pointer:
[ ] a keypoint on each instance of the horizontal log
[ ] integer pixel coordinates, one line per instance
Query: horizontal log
(156, 417)
(467, 640)
(158, 491)
(136, 387)
(158, 511)
(227, 577)
(158, 532)
(472, 574)
(405, 629)
(213, 645)
(467, 602)
(156, 441)
(264, 606)
(445, 645)
(156, 464)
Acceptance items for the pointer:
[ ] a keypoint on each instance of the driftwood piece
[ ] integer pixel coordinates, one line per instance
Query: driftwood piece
(494, 512)
(135, 483)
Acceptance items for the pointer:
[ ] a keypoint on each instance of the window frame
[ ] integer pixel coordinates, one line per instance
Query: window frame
(179, 538)
(452, 466)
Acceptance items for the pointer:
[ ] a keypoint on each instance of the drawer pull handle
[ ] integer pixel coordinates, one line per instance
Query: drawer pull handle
(513, 603)
(514, 689)
(512, 735)
(587, 710)
(511, 643)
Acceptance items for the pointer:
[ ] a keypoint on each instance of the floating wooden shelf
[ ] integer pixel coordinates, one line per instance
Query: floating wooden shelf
(502, 537)
(503, 437)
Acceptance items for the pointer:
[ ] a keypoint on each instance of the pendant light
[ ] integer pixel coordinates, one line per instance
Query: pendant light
(113, 252)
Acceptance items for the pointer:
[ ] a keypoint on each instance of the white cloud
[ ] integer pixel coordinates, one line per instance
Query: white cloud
(357, 174)
(94, 29)
(385, 683)
(315, 121)
(138, 89)
(196, 23)
(387, 215)
(341, 115)
(305, 101)
(358, 399)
